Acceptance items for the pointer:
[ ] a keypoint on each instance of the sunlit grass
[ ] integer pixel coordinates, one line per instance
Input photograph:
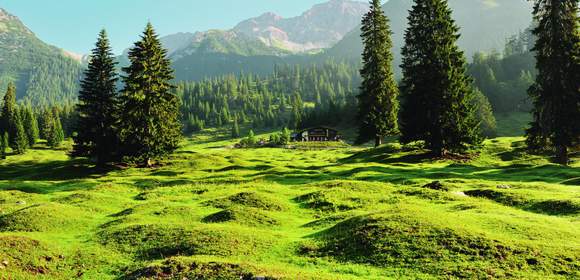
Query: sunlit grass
(340, 213)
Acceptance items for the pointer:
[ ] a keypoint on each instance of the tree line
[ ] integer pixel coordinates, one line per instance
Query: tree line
(21, 126)
(292, 96)
(505, 77)
(438, 93)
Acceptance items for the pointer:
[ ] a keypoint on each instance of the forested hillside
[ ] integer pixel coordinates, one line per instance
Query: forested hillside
(505, 77)
(43, 74)
(291, 96)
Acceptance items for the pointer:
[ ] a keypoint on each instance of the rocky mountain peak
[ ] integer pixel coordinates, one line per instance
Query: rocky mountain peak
(320, 27)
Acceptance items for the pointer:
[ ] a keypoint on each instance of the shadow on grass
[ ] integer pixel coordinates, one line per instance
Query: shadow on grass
(52, 176)
(548, 207)
(397, 175)
(53, 170)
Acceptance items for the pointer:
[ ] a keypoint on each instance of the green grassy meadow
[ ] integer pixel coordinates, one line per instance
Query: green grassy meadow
(212, 212)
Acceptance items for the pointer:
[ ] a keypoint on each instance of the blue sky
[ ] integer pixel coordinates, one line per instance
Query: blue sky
(74, 24)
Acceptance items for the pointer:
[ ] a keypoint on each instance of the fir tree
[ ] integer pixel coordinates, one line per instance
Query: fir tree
(97, 109)
(20, 140)
(378, 104)
(235, 128)
(58, 131)
(31, 126)
(45, 124)
(150, 124)
(7, 123)
(285, 136)
(297, 111)
(437, 92)
(556, 91)
(52, 128)
(485, 114)
(251, 140)
(3, 145)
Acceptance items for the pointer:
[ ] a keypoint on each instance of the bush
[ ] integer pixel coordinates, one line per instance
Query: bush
(281, 138)
(250, 140)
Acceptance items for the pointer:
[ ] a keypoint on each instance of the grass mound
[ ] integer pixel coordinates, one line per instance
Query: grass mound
(177, 211)
(153, 241)
(343, 195)
(328, 221)
(549, 207)
(556, 207)
(77, 198)
(502, 197)
(248, 199)
(395, 240)
(331, 200)
(179, 268)
(441, 196)
(91, 201)
(45, 217)
(242, 215)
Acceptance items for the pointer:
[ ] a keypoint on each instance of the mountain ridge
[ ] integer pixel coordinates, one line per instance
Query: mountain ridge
(312, 31)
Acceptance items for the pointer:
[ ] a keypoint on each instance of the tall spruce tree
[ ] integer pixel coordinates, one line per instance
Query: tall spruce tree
(9, 113)
(378, 103)
(31, 125)
(46, 124)
(149, 123)
(52, 128)
(20, 140)
(3, 145)
(556, 91)
(98, 105)
(437, 92)
(58, 131)
(235, 128)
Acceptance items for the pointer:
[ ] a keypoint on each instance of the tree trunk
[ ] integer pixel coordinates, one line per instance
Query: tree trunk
(378, 141)
(562, 155)
(439, 152)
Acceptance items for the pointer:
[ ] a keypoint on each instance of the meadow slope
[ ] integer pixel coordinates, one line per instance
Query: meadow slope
(211, 212)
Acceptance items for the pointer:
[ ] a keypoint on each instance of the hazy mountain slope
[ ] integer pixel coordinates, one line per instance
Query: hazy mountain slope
(42, 73)
(177, 41)
(320, 27)
(256, 45)
(485, 25)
